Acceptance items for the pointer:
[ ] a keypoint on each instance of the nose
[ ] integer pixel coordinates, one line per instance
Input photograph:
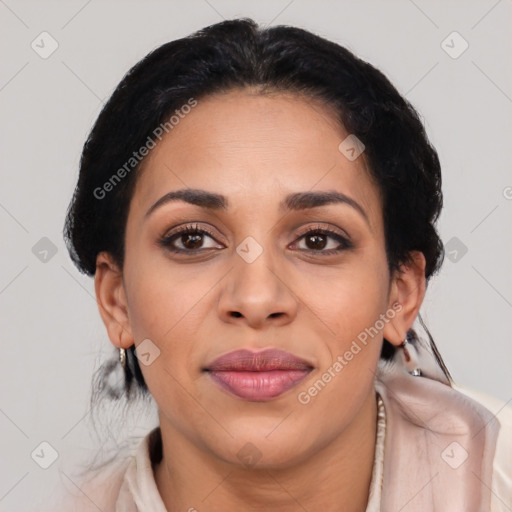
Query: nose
(257, 294)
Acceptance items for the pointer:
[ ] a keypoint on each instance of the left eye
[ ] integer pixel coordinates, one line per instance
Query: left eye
(317, 240)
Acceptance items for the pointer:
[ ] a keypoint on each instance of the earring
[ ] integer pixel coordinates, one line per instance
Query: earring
(410, 358)
(122, 357)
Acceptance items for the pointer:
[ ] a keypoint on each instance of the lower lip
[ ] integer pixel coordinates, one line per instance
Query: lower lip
(258, 386)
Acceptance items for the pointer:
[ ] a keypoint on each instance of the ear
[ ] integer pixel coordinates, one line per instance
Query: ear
(406, 294)
(111, 299)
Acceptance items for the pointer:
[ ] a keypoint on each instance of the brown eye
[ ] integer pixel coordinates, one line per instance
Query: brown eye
(189, 239)
(316, 241)
(324, 241)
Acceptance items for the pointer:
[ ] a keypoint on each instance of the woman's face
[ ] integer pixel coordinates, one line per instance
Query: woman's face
(256, 279)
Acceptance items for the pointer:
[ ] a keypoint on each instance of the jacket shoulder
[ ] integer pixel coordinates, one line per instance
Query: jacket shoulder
(501, 496)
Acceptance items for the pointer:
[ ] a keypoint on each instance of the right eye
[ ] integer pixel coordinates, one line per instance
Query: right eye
(189, 237)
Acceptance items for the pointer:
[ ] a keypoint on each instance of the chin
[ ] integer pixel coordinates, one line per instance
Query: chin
(257, 450)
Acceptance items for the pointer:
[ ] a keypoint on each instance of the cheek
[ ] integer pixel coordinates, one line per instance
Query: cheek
(165, 310)
(350, 303)
(347, 300)
(167, 305)
(357, 314)
(161, 295)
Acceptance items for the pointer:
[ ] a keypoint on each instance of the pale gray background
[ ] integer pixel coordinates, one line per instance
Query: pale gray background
(51, 329)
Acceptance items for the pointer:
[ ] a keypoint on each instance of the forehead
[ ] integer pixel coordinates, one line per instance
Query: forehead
(256, 148)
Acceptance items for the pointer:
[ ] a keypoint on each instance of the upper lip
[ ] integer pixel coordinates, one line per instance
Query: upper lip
(265, 360)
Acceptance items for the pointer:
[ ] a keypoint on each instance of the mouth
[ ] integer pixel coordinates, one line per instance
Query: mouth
(258, 376)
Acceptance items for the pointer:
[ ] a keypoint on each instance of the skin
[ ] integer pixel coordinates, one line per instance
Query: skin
(255, 149)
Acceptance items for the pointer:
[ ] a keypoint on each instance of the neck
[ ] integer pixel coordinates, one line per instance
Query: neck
(336, 477)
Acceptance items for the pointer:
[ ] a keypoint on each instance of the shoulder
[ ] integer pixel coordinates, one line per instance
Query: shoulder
(502, 465)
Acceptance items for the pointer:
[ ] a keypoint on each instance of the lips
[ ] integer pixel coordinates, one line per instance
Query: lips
(258, 376)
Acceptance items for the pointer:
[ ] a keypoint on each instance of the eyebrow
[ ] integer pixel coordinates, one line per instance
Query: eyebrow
(295, 201)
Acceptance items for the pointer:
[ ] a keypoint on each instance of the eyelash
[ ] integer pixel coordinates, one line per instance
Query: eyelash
(167, 240)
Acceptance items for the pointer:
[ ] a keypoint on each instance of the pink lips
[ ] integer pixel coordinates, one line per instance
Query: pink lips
(258, 376)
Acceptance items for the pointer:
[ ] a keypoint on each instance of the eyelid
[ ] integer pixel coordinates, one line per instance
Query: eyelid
(326, 226)
(191, 226)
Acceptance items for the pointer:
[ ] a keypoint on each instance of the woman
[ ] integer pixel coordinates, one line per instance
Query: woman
(258, 209)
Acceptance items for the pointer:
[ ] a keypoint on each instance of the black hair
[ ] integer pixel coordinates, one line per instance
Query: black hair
(237, 54)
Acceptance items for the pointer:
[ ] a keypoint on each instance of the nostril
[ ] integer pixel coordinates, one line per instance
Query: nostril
(236, 314)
